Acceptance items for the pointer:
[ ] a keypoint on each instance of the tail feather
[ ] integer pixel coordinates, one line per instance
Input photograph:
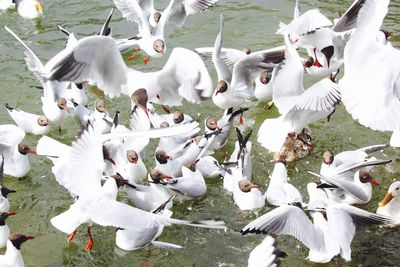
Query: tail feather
(272, 134)
(68, 221)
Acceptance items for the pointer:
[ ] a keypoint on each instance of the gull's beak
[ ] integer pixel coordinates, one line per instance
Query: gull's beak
(372, 181)
(386, 200)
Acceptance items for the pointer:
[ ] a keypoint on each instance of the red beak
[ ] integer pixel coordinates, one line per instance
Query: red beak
(372, 181)
(254, 185)
(11, 213)
(167, 177)
(29, 237)
(33, 152)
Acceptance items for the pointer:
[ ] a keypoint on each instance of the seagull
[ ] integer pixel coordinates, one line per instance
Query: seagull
(356, 191)
(86, 61)
(390, 205)
(264, 85)
(265, 254)
(326, 236)
(150, 197)
(16, 162)
(324, 45)
(13, 257)
(54, 104)
(179, 11)
(172, 166)
(190, 184)
(143, 235)
(333, 164)
(247, 195)
(219, 130)
(361, 82)
(280, 192)
(236, 87)
(4, 229)
(298, 107)
(4, 203)
(30, 9)
(29, 122)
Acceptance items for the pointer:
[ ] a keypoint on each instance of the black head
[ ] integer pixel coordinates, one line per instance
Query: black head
(159, 46)
(328, 157)
(265, 77)
(5, 191)
(119, 180)
(162, 156)
(308, 62)
(100, 105)
(25, 149)
(4, 215)
(178, 117)
(18, 239)
(157, 16)
(222, 86)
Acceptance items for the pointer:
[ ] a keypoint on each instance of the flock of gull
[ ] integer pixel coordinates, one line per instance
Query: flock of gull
(107, 157)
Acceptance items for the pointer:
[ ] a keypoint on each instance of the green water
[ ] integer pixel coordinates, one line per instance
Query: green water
(247, 24)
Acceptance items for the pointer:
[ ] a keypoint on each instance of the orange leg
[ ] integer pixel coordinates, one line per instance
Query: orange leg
(89, 244)
(134, 54)
(71, 236)
(146, 59)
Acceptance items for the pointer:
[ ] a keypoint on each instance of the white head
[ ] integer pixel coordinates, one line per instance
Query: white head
(393, 192)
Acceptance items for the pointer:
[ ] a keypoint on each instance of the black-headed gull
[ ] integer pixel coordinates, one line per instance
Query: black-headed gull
(280, 192)
(190, 184)
(265, 255)
(334, 164)
(325, 46)
(183, 76)
(143, 235)
(29, 9)
(179, 11)
(390, 205)
(247, 195)
(4, 229)
(4, 203)
(13, 257)
(236, 87)
(362, 83)
(152, 196)
(151, 40)
(16, 162)
(326, 236)
(219, 130)
(298, 107)
(356, 191)
(29, 122)
(54, 103)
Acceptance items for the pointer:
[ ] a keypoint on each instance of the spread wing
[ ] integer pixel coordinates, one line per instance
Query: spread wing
(132, 11)
(288, 220)
(87, 60)
(246, 70)
(184, 76)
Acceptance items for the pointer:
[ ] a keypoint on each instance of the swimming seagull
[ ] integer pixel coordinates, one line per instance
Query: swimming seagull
(298, 107)
(4, 203)
(362, 83)
(280, 192)
(29, 122)
(4, 229)
(54, 103)
(13, 256)
(16, 162)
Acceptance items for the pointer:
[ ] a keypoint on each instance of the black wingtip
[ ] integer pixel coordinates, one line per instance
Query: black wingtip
(10, 108)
